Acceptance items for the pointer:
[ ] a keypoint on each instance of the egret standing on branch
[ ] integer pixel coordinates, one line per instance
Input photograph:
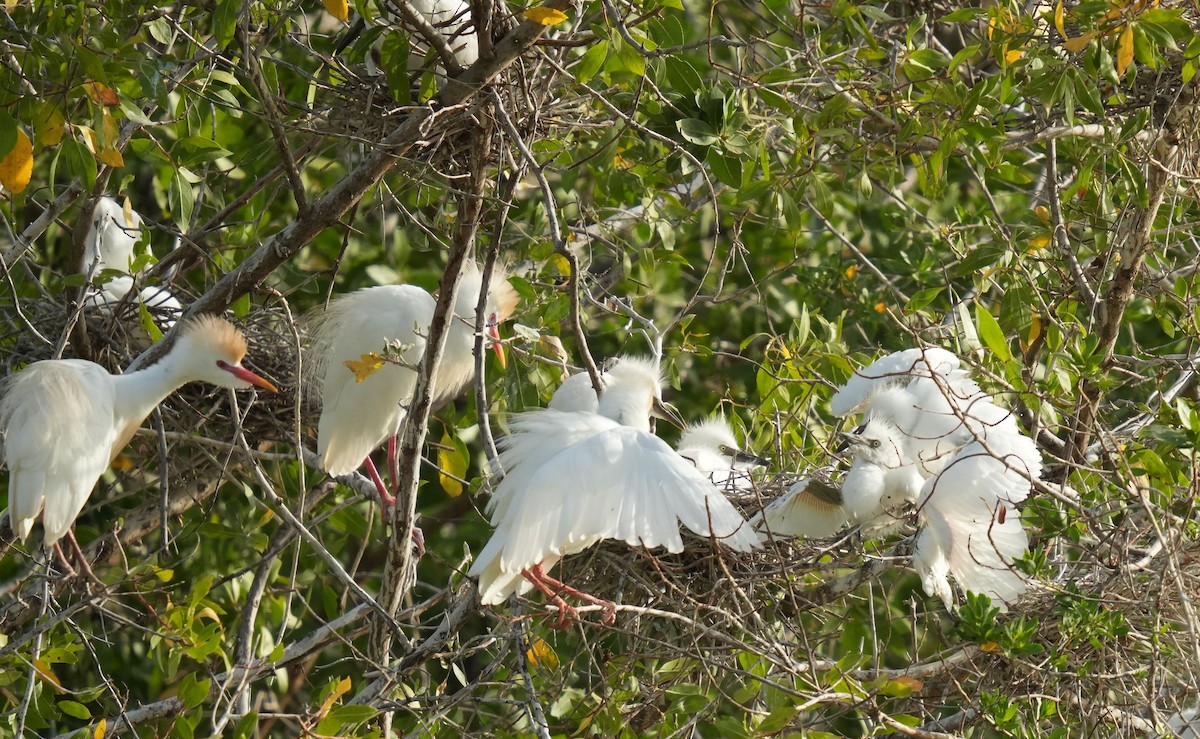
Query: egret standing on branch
(364, 398)
(64, 420)
(574, 479)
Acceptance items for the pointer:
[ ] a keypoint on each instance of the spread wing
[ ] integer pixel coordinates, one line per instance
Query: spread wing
(810, 508)
(619, 483)
(57, 420)
(890, 370)
(971, 527)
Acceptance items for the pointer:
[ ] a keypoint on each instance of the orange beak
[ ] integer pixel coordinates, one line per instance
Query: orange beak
(493, 330)
(246, 375)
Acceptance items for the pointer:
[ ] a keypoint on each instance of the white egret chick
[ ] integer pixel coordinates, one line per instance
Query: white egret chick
(712, 448)
(64, 420)
(110, 240)
(970, 527)
(881, 479)
(576, 478)
(358, 414)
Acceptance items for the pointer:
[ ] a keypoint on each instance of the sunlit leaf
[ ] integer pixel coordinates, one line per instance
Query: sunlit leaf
(1076, 45)
(366, 366)
(102, 94)
(541, 653)
(1125, 49)
(46, 674)
(991, 333)
(1058, 19)
(339, 9)
(851, 271)
(101, 725)
(74, 709)
(1013, 55)
(48, 125)
(545, 16)
(452, 466)
(17, 166)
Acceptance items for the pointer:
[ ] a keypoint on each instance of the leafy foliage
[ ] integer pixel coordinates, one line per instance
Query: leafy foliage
(770, 194)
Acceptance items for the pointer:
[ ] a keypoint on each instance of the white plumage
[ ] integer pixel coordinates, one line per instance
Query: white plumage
(453, 19)
(577, 478)
(932, 437)
(356, 417)
(713, 449)
(64, 420)
(111, 237)
(810, 508)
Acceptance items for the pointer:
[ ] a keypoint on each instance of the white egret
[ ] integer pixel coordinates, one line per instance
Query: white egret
(712, 448)
(577, 478)
(64, 420)
(111, 237)
(453, 19)
(358, 413)
(931, 437)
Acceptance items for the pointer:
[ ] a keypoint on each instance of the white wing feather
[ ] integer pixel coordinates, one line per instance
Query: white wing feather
(802, 512)
(889, 370)
(58, 423)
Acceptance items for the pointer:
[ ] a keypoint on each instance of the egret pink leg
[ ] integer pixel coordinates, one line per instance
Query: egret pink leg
(545, 583)
(386, 499)
(83, 562)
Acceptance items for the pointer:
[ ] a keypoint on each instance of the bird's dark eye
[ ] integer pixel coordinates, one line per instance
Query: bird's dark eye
(874, 443)
(725, 450)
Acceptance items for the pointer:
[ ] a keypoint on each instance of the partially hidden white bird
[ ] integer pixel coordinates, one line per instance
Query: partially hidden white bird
(713, 449)
(453, 19)
(359, 413)
(576, 478)
(64, 420)
(931, 437)
(111, 238)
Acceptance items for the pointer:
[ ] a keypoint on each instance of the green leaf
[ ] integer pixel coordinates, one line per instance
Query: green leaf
(224, 21)
(591, 62)
(8, 133)
(193, 692)
(697, 131)
(75, 710)
(991, 334)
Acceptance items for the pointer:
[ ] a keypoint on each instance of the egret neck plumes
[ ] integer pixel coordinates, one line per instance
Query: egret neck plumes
(362, 410)
(64, 420)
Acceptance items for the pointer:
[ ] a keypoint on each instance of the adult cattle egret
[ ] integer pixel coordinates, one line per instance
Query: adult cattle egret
(577, 478)
(711, 446)
(64, 420)
(932, 437)
(359, 413)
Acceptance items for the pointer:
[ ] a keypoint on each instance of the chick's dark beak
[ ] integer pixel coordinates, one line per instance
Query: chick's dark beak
(748, 458)
(667, 412)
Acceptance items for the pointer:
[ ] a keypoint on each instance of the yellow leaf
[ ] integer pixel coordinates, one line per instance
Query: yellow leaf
(541, 653)
(991, 27)
(339, 9)
(102, 94)
(1058, 19)
(10, 5)
(338, 691)
(1038, 243)
(16, 168)
(545, 16)
(111, 157)
(1125, 49)
(851, 271)
(880, 307)
(45, 673)
(208, 612)
(561, 264)
(911, 683)
(990, 646)
(452, 466)
(1076, 45)
(48, 125)
(1035, 329)
(166, 574)
(369, 365)
(100, 727)
(122, 463)
(1013, 55)
(1043, 213)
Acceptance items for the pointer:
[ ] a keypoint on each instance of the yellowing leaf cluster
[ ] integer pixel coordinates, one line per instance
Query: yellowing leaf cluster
(339, 9)
(545, 16)
(365, 366)
(16, 168)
